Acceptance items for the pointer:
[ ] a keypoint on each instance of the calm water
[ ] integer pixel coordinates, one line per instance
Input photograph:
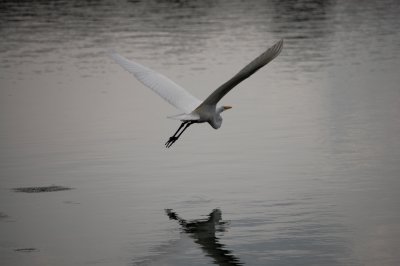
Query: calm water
(304, 170)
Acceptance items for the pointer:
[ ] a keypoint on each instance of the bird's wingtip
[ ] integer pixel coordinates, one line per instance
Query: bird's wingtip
(279, 43)
(279, 46)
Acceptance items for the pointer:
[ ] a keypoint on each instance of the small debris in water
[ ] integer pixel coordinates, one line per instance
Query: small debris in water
(41, 189)
(26, 249)
(4, 218)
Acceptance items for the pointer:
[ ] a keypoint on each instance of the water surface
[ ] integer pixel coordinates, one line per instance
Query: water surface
(304, 170)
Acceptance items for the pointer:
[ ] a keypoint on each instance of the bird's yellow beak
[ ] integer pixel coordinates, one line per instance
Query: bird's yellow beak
(227, 107)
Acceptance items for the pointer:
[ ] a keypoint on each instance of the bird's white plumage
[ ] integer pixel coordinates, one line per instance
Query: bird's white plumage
(166, 88)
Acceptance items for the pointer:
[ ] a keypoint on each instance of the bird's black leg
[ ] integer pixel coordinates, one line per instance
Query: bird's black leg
(179, 129)
(176, 136)
(187, 125)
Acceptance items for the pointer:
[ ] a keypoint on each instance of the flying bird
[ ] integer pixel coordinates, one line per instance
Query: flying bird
(193, 110)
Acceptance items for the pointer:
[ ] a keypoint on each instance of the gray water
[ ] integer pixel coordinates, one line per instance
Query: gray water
(304, 170)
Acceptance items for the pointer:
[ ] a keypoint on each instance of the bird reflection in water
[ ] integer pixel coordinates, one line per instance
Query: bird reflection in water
(203, 233)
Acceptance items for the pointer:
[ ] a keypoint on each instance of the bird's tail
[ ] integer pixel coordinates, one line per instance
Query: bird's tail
(185, 117)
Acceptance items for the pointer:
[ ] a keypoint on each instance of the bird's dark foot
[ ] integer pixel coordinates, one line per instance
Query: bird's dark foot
(171, 141)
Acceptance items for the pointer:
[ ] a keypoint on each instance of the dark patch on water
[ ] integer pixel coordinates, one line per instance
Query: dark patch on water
(5, 218)
(41, 189)
(26, 250)
(71, 202)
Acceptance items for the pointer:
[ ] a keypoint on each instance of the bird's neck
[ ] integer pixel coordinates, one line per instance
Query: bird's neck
(219, 109)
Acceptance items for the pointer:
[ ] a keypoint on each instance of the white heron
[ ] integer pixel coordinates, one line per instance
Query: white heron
(194, 110)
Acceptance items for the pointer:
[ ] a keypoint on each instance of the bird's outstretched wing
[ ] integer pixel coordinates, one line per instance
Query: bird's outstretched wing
(166, 88)
(246, 72)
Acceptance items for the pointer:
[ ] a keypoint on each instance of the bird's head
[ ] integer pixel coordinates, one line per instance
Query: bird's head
(223, 108)
(216, 121)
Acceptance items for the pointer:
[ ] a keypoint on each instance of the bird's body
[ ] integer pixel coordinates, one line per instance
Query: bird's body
(194, 110)
(210, 114)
